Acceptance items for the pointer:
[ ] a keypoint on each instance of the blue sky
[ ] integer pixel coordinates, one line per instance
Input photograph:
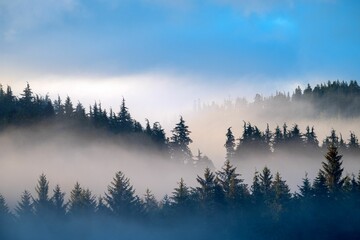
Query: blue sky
(266, 45)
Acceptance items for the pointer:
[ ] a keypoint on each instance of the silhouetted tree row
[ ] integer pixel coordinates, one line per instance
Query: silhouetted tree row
(221, 206)
(331, 99)
(30, 109)
(254, 141)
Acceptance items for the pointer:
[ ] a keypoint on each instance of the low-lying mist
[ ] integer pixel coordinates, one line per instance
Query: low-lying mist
(92, 159)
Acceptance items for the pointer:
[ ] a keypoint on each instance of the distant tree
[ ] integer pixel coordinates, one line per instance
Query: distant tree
(181, 198)
(282, 195)
(59, 108)
(332, 171)
(101, 209)
(353, 145)
(58, 202)
(320, 188)
(68, 108)
(125, 122)
(266, 185)
(230, 145)
(256, 194)
(5, 214)
(121, 197)
(81, 203)
(306, 191)
(42, 202)
(211, 196)
(150, 204)
(180, 141)
(311, 141)
(24, 208)
(235, 190)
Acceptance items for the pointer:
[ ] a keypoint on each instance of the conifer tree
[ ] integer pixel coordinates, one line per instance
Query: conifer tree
(256, 194)
(230, 145)
(81, 202)
(181, 196)
(125, 122)
(121, 197)
(42, 203)
(5, 214)
(150, 204)
(266, 185)
(332, 171)
(24, 208)
(58, 202)
(234, 189)
(306, 191)
(180, 142)
(320, 188)
(68, 108)
(281, 192)
(101, 208)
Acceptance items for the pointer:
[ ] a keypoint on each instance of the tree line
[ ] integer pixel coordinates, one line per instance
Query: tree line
(334, 98)
(285, 139)
(221, 205)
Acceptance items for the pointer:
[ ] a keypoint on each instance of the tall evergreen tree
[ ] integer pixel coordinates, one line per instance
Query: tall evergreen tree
(58, 202)
(180, 142)
(81, 202)
(230, 145)
(332, 171)
(121, 197)
(24, 208)
(42, 203)
(125, 122)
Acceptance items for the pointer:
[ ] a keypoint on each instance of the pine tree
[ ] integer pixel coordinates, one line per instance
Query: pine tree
(180, 142)
(68, 108)
(266, 185)
(181, 196)
(42, 203)
(320, 188)
(150, 204)
(5, 214)
(24, 208)
(332, 171)
(281, 190)
(58, 202)
(230, 145)
(125, 122)
(306, 191)
(121, 197)
(81, 202)
(234, 189)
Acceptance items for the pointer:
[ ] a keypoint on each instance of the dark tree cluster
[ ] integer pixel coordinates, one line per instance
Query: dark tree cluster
(339, 99)
(30, 109)
(221, 206)
(283, 139)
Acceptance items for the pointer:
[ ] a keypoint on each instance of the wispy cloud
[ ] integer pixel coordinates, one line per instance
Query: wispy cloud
(20, 15)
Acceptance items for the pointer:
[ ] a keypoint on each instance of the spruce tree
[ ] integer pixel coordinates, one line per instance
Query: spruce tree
(150, 204)
(121, 197)
(230, 145)
(24, 208)
(266, 185)
(306, 191)
(81, 203)
(42, 203)
(181, 196)
(281, 191)
(5, 214)
(125, 122)
(58, 202)
(180, 142)
(332, 171)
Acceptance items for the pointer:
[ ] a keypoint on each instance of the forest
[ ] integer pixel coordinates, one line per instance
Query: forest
(220, 206)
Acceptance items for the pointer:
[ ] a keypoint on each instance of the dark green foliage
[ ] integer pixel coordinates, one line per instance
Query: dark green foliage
(230, 145)
(121, 198)
(24, 209)
(332, 171)
(180, 141)
(42, 202)
(81, 203)
(181, 197)
(58, 202)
